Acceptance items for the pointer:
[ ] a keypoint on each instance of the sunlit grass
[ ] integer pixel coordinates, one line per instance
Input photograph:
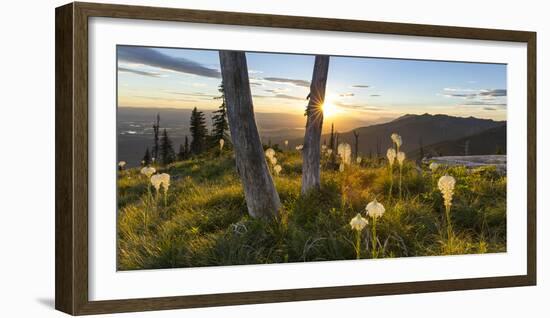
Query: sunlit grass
(205, 220)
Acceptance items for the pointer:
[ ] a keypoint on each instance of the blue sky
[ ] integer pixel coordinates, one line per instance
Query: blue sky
(376, 89)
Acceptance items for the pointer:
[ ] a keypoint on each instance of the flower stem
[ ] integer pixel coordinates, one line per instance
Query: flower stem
(374, 239)
(391, 180)
(358, 244)
(449, 229)
(400, 180)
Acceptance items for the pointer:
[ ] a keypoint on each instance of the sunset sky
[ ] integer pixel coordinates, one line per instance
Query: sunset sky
(374, 89)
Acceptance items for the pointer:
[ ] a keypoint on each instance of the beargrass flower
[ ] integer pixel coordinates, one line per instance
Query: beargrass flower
(121, 165)
(397, 140)
(269, 153)
(375, 210)
(358, 160)
(446, 185)
(299, 147)
(391, 154)
(277, 169)
(222, 142)
(434, 166)
(344, 151)
(357, 224)
(148, 171)
(400, 159)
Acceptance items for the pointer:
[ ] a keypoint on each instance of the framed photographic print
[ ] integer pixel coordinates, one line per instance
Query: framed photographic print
(218, 158)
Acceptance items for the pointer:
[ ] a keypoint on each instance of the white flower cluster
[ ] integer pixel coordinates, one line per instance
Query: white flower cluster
(446, 185)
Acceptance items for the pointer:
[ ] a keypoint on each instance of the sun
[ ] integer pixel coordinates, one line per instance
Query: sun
(329, 109)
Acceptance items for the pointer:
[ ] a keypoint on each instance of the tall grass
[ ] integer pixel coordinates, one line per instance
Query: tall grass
(205, 221)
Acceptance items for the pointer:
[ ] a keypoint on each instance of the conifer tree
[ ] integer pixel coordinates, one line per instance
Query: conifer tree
(198, 131)
(167, 154)
(219, 120)
(186, 148)
(181, 153)
(147, 157)
(156, 128)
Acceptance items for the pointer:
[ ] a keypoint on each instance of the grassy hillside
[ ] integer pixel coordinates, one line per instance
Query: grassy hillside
(204, 220)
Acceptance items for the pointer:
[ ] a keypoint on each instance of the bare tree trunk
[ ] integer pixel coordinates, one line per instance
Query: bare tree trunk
(311, 153)
(262, 199)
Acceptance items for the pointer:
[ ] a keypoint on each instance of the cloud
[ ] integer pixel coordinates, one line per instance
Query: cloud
(357, 106)
(154, 58)
(281, 96)
(347, 95)
(138, 72)
(375, 95)
(360, 86)
(194, 94)
(493, 92)
(276, 90)
(295, 82)
(490, 99)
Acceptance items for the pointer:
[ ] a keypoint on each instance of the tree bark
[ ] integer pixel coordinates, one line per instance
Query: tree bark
(262, 199)
(311, 153)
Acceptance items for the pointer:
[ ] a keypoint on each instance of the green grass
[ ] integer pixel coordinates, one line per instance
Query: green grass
(205, 220)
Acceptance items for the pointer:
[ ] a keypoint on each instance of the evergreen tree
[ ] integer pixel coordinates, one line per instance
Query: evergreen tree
(186, 148)
(219, 120)
(167, 154)
(156, 127)
(181, 153)
(198, 131)
(147, 157)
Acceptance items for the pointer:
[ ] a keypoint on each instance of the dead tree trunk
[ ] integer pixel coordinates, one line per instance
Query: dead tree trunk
(311, 153)
(262, 199)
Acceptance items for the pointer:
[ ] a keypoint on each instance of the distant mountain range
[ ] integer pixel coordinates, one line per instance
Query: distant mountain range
(437, 134)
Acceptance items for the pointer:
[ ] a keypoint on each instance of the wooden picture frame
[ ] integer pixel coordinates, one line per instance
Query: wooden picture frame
(71, 89)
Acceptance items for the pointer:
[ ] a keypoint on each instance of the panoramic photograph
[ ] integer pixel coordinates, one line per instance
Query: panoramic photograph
(238, 158)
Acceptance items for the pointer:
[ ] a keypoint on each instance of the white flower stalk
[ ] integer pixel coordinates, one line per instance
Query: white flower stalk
(323, 148)
(342, 167)
(375, 210)
(165, 185)
(446, 185)
(329, 152)
(222, 142)
(344, 151)
(121, 165)
(286, 144)
(397, 140)
(269, 153)
(400, 159)
(299, 147)
(156, 181)
(277, 169)
(358, 160)
(148, 171)
(161, 180)
(391, 154)
(434, 166)
(273, 161)
(357, 224)
(143, 162)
